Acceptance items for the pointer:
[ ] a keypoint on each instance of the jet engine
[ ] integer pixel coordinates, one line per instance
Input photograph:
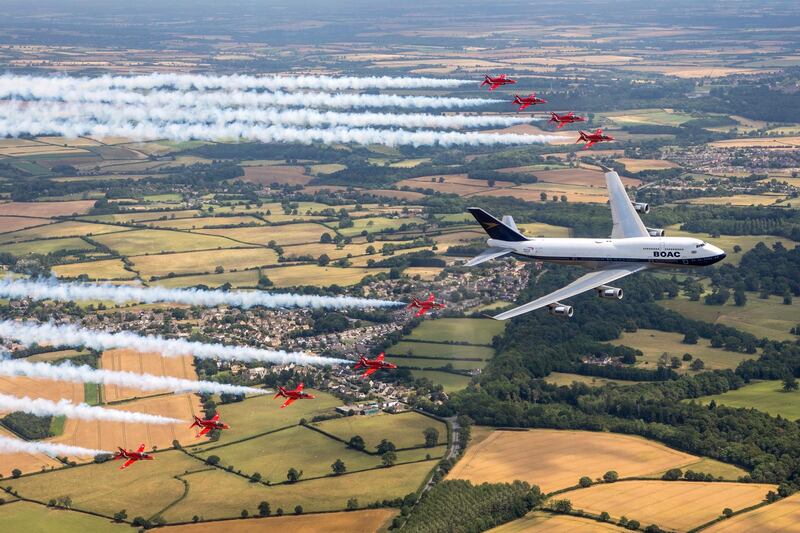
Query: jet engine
(656, 232)
(641, 207)
(562, 310)
(604, 291)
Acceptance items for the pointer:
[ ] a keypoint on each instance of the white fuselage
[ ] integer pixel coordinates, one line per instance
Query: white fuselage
(656, 251)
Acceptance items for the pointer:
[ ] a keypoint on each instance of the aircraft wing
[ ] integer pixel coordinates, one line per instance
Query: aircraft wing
(288, 402)
(486, 255)
(369, 372)
(422, 311)
(626, 221)
(203, 431)
(561, 124)
(127, 463)
(141, 448)
(300, 387)
(523, 107)
(380, 357)
(494, 86)
(589, 144)
(215, 417)
(580, 285)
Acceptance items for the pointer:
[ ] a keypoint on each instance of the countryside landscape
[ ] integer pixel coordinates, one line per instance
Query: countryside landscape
(673, 409)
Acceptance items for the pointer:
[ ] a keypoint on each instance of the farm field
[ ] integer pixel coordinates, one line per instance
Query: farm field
(763, 318)
(273, 454)
(144, 216)
(677, 505)
(25, 462)
(139, 362)
(203, 222)
(198, 262)
(538, 229)
(283, 235)
(26, 516)
(739, 199)
(106, 269)
(470, 330)
(766, 396)
(424, 362)
(563, 457)
(46, 209)
(344, 522)
(450, 382)
(654, 343)
(281, 174)
(259, 414)
(661, 117)
(47, 246)
(581, 177)
(232, 493)
(153, 241)
(776, 142)
(637, 165)
(68, 228)
(542, 522)
(560, 378)
(403, 429)
(780, 517)
(15, 223)
(443, 351)
(240, 279)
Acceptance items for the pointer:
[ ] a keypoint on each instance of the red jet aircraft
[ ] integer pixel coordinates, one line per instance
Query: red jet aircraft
(526, 101)
(292, 395)
(424, 305)
(132, 457)
(569, 118)
(373, 365)
(592, 138)
(499, 81)
(208, 425)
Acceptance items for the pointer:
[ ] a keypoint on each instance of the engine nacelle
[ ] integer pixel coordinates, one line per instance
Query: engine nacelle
(613, 293)
(641, 207)
(561, 310)
(656, 232)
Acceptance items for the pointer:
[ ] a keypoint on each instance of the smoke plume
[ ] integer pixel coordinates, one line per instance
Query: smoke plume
(43, 407)
(12, 445)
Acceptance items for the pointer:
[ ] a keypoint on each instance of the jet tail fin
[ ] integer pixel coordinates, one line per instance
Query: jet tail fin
(491, 253)
(496, 229)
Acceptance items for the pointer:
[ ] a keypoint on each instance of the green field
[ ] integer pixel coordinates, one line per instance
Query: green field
(47, 246)
(242, 278)
(450, 382)
(106, 269)
(716, 468)
(217, 494)
(207, 261)
(470, 330)
(403, 429)
(423, 362)
(564, 379)
(443, 351)
(763, 318)
(374, 225)
(654, 343)
(259, 414)
(68, 228)
(91, 393)
(659, 117)
(765, 396)
(33, 518)
(150, 241)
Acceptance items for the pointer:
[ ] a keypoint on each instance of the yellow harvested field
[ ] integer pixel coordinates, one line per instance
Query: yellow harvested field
(108, 435)
(678, 505)
(683, 71)
(203, 222)
(9, 224)
(563, 457)
(69, 228)
(637, 165)
(281, 174)
(283, 235)
(542, 522)
(580, 176)
(347, 522)
(79, 142)
(763, 142)
(739, 199)
(292, 276)
(780, 517)
(41, 388)
(400, 195)
(453, 184)
(106, 269)
(539, 229)
(316, 249)
(199, 262)
(142, 363)
(39, 149)
(458, 238)
(532, 193)
(46, 209)
(26, 462)
(154, 241)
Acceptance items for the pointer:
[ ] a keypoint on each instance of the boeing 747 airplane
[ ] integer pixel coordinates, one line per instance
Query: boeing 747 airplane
(631, 248)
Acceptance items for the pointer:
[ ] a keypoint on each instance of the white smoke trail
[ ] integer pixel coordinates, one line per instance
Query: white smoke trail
(185, 82)
(241, 98)
(269, 134)
(43, 407)
(14, 111)
(12, 445)
(30, 333)
(71, 292)
(131, 380)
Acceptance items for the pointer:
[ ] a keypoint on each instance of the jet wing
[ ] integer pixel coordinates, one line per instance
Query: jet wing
(141, 448)
(127, 463)
(215, 417)
(486, 255)
(626, 221)
(580, 285)
(494, 86)
(380, 357)
(288, 402)
(523, 107)
(300, 387)
(422, 311)
(369, 372)
(203, 431)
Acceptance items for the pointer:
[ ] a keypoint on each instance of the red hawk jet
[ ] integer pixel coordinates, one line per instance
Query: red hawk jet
(292, 395)
(424, 305)
(499, 81)
(208, 425)
(373, 365)
(592, 138)
(529, 100)
(561, 120)
(132, 457)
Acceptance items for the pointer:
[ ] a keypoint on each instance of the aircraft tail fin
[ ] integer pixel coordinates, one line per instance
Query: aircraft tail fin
(496, 229)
